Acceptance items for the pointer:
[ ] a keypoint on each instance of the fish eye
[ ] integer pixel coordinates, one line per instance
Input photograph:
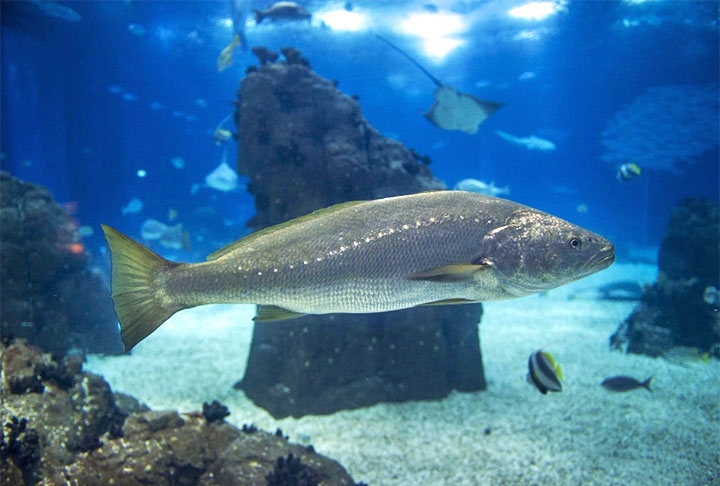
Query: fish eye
(575, 243)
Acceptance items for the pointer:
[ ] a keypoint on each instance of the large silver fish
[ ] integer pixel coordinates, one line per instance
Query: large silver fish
(444, 247)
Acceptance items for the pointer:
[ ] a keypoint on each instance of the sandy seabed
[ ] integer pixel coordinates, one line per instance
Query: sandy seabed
(509, 434)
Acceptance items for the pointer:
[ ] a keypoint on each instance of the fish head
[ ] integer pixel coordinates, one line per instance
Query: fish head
(534, 251)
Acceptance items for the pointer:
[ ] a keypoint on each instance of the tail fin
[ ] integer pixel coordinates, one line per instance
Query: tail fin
(646, 384)
(133, 267)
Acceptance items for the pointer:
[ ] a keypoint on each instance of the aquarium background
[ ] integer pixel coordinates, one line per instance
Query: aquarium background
(111, 104)
(88, 101)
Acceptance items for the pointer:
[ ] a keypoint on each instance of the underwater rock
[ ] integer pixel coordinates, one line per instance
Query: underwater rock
(321, 364)
(675, 310)
(305, 145)
(69, 410)
(47, 293)
(78, 435)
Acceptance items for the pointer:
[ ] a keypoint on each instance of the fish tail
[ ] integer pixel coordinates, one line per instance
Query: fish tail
(136, 305)
(258, 16)
(646, 384)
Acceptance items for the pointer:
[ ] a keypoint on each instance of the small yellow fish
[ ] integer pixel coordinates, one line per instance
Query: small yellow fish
(222, 135)
(628, 171)
(225, 58)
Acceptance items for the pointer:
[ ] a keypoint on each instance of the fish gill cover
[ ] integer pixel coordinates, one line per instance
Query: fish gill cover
(663, 128)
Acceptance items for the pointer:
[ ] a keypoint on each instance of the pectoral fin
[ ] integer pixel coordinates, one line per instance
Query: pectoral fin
(267, 313)
(464, 272)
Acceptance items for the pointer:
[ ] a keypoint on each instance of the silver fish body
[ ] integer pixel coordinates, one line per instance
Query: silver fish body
(373, 256)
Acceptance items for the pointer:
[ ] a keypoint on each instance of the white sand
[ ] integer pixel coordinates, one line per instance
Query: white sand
(583, 435)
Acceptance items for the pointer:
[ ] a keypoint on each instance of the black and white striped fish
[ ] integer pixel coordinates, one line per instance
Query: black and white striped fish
(543, 373)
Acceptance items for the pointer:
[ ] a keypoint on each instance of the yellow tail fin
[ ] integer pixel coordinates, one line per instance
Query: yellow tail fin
(133, 267)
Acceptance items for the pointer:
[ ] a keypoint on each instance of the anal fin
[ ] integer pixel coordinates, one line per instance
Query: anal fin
(451, 302)
(269, 313)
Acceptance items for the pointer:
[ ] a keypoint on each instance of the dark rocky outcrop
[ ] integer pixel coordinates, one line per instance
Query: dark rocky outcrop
(47, 293)
(305, 145)
(679, 308)
(70, 428)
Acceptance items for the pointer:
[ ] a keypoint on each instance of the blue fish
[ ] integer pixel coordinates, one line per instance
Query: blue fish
(625, 383)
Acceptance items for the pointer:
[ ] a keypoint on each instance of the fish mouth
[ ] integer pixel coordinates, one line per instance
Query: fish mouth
(603, 259)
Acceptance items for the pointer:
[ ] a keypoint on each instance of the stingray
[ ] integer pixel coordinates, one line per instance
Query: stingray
(453, 109)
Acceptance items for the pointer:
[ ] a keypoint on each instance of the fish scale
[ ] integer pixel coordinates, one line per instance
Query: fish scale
(348, 270)
(372, 256)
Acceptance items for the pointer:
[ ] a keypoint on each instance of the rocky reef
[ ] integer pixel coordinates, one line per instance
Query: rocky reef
(681, 308)
(61, 425)
(305, 145)
(48, 295)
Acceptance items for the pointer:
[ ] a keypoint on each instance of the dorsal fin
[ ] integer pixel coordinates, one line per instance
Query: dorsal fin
(278, 227)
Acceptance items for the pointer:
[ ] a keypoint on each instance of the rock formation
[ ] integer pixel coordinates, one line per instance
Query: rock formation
(305, 145)
(47, 293)
(61, 425)
(679, 309)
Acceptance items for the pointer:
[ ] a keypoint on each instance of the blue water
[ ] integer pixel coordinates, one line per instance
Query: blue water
(562, 78)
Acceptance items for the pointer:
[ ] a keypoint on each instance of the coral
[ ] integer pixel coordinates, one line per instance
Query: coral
(672, 311)
(293, 56)
(21, 445)
(264, 55)
(214, 412)
(664, 127)
(61, 372)
(78, 435)
(249, 429)
(49, 296)
(290, 471)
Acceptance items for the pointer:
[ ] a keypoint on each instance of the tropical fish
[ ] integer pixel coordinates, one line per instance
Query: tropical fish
(711, 295)
(282, 11)
(543, 373)
(136, 29)
(57, 11)
(221, 135)
(173, 237)
(178, 162)
(532, 142)
(223, 178)
(628, 171)
(489, 189)
(86, 231)
(133, 207)
(453, 109)
(443, 247)
(152, 229)
(625, 383)
(225, 58)
(686, 355)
